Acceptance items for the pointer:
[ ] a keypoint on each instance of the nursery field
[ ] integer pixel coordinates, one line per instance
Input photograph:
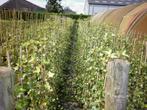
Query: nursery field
(96, 45)
(60, 63)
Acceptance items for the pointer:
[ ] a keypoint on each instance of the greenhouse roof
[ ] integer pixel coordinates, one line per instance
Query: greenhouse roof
(131, 18)
(20, 5)
(114, 2)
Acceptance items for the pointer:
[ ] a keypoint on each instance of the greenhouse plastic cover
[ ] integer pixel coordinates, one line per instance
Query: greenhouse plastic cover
(132, 18)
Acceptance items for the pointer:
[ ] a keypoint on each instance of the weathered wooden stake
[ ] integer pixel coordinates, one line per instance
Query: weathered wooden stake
(6, 89)
(145, 51)
(8, 59)
(116, 85)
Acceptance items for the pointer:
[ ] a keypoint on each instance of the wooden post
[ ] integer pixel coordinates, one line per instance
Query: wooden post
(8, 59)
(146, 51)
(116, 85)
(6, 89)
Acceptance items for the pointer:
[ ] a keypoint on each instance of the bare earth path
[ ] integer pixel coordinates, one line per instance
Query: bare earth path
(66, 93)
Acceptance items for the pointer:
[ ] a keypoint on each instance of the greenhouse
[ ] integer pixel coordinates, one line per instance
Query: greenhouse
(132, 18)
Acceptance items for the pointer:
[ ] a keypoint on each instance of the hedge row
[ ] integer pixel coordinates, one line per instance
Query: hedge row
(37, 56)
(96, 45)
(23, 15)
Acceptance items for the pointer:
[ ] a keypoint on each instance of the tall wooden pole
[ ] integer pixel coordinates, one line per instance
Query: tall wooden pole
(146, 51)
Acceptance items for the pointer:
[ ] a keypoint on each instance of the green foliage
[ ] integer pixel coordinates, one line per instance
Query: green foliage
(37, 56)
(37, 50)
(96, 45)
(76, 16)
(54, 6)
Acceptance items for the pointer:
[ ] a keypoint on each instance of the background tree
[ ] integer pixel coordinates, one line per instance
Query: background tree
(54, 6)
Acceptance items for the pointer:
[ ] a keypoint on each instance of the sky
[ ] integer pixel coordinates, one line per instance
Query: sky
(75, 5)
